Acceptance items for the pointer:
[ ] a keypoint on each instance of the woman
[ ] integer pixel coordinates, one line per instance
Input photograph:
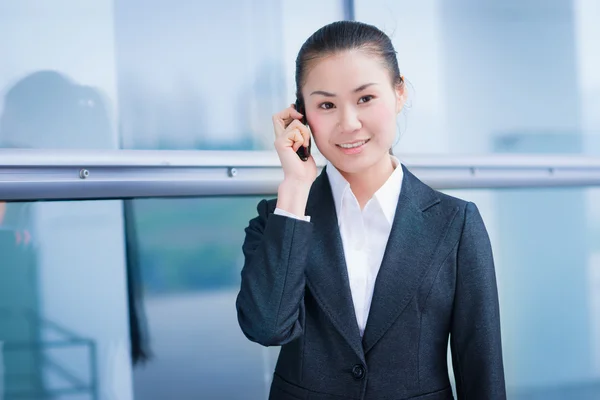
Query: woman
(363, 273)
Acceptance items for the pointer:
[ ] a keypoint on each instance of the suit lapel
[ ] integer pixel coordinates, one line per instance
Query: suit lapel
(327, 274)
(413, 240)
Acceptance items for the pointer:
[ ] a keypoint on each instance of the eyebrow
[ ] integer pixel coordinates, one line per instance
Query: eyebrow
(358, 89)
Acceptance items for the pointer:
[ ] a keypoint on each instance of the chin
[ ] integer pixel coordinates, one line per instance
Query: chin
(354, 165)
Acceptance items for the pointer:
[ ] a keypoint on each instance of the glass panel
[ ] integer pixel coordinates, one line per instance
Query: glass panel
(152, 311)
(546, 246)
(149, 74)
(63, 301)
(225, 67)
(190, 257)
(495, 76)
(126, 299)
(57, 75)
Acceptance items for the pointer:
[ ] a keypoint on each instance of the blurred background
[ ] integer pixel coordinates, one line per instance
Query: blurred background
(134, 299)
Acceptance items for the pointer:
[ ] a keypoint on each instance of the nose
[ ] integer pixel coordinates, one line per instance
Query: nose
(349, 121)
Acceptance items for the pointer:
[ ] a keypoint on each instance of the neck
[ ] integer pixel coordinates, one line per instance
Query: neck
(364, 184)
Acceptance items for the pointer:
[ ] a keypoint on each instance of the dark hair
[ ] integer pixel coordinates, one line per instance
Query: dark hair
(342, 36)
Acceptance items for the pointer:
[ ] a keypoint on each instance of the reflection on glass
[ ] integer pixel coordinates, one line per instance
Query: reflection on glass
(19, 303)
(484, 71)
(226, 66)
(46, 109)
(58, 90)
(79, 279)
(190, 253)
(63, 304)
(222, 70)
(178, 75)
(547, 246)
(49, 110)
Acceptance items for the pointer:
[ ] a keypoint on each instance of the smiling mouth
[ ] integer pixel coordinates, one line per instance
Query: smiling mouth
(353, 145)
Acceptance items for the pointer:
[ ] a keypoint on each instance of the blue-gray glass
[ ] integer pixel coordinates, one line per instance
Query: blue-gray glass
(547, 250)
(141, 74)
(190, 261)
(126, 299)
(199, 75)
(135, 299)
(482, 72)
(208, 75)
(57, 78)
(149, 74)
(63, 301)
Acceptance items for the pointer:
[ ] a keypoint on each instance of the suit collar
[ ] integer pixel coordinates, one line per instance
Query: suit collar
(403, 267)
(326, 275)
(416, 192)
(413, 241)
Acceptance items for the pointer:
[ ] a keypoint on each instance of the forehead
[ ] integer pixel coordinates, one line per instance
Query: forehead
(345, 71)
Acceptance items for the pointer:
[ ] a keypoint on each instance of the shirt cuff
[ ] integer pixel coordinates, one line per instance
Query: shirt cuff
(279, 211)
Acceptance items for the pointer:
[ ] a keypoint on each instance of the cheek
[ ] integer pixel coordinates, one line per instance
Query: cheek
(381, 120)
(321, 125)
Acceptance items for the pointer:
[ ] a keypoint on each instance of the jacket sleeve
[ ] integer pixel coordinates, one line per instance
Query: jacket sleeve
(270, 303)
(475, 335)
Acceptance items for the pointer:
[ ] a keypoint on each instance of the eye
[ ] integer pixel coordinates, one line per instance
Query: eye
(326, 106)
(365, 99)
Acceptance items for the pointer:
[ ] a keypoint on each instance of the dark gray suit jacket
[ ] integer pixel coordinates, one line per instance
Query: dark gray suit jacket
(436, 280)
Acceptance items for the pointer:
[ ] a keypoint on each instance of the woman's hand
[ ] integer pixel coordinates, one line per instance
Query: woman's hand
(290, 134)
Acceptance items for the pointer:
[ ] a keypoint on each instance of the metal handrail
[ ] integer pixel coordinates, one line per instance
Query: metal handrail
(28, 175)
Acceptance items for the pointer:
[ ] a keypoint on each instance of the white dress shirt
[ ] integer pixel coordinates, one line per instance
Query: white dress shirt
(364, 233)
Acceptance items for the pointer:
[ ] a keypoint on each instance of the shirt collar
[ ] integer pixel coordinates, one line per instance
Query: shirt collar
(387, 195)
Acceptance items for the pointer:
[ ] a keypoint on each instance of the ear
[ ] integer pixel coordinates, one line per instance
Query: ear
(401, 95)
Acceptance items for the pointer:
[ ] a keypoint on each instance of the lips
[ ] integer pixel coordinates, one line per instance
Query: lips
(354, 144)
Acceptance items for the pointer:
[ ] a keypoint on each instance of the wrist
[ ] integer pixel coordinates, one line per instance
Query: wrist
(293, 196)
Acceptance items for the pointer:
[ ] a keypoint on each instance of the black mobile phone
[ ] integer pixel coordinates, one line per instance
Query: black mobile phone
(303, 152)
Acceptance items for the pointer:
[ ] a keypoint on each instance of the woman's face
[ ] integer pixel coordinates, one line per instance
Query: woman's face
(351, 107)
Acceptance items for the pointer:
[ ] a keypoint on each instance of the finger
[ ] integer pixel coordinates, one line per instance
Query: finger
(304, 130)
(296, 138)
(306, 135)
(289, 139)
(286, 117)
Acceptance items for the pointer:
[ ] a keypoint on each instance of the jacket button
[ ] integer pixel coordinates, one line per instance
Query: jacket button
(358, 372)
